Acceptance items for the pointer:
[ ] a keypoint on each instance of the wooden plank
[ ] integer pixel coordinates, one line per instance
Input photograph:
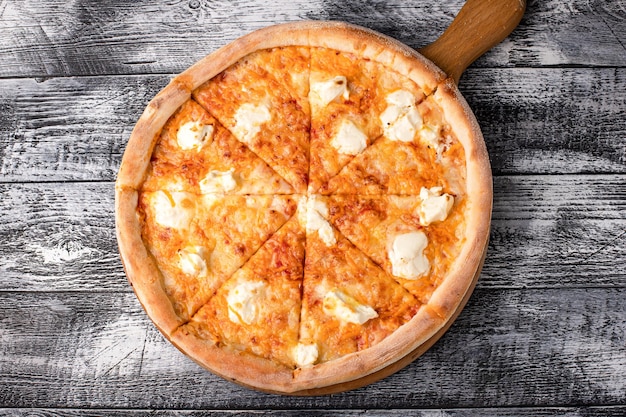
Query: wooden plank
(608, 411)
(514, 348)
(547, 231)
(553, 231)
(113, 37)
(551, 121)
(58, 237)
(534, 121)
(69, 128)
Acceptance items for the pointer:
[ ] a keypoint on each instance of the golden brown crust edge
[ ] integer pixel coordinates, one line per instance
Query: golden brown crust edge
(139, 148)
(140, 268)
(340, 36)
(239, 367)
(375, 46)
(366, 362)
(457, 113)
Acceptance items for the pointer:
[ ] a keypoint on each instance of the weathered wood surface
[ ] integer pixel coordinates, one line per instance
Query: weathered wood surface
(513, 348)
(118, 37)
(615, 411)
(543, 334)
(69, 128)
(547, 232)
(534, 121)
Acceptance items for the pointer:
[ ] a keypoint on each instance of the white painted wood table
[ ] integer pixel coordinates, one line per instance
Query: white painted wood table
(544, 332)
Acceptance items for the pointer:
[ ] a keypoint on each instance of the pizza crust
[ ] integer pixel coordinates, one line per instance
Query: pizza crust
(240, 367)
(375, 46)
(140, 267)
(352, 370)
(355, 370)
(144, 136)
(479, 188)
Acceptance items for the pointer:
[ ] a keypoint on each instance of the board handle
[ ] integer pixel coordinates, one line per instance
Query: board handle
(479, 26)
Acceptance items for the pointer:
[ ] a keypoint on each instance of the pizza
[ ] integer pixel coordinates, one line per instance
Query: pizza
(306, 210)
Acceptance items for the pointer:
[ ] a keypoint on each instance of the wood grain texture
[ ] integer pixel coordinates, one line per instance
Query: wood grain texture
(615, 411)
(116, 37)
(59, 237)
(69, 128)
(521, 348)
(551, 121)
(558, 231)
(543, 334)
(547, 232)
(534, 121)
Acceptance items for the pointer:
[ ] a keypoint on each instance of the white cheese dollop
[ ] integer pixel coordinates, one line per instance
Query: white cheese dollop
(194, 134)
(407, 255)
(192, 261)
(249, 119)
(401, 98)
(435, 206)
(401, 119)
(431, 136)
(173, 209)
(243, 301)
(349, 140)
(323, 92)
(345, 308)
(305, 355)
(218, 182)
(315, 221)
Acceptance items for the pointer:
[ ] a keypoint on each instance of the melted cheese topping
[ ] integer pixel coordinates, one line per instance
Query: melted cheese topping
(407, 255)
(305, 355)
(192, 261)
(345, 308)
(218, 182)
(315, 221)
(244, 300)
(324, 92)
(248, 301)
(194, 134)
(349, 140)
(401, 119)
(435, 206)
(172, 209)
(249, 119)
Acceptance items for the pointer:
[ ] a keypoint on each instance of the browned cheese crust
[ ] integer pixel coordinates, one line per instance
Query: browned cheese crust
(324, 274)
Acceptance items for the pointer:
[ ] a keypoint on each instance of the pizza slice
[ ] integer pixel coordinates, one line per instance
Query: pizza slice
(351, 309)
(347, 97)
(261, 113)
(290, 66)
(196, 154)
(417, 149)
(200, 241)
(258, 309)
(414, 239)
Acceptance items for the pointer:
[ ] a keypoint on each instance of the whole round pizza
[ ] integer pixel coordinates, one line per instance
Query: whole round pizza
(306, 209)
